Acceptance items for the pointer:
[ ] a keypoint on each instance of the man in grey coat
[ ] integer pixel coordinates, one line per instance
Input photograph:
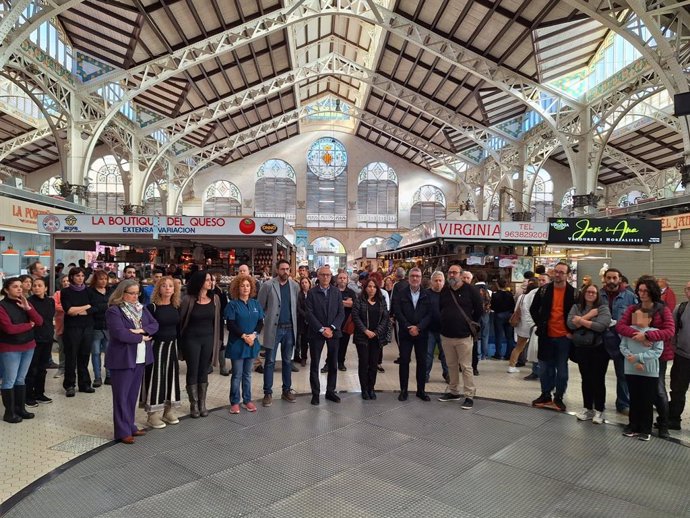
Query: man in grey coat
(278, 297)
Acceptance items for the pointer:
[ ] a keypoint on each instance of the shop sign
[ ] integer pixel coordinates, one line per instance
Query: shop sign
(471, 230)
(677, 222)
(22, 214)
(604, 231)
(159, 225)
(507, 261)
(524, 232)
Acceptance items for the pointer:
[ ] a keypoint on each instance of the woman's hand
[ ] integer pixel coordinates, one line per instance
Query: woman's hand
(249, 339)
(24, 304)
(138, 331)
(370, 334)
(639, 337)
(577, 321)
(631, 358)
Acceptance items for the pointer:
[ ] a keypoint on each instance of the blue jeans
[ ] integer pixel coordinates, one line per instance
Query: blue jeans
(485, 331)
(503, 331)
(433, 342)
(98, 345)
(241, 373)
(15, 365)
(286, 339)
(554, 372)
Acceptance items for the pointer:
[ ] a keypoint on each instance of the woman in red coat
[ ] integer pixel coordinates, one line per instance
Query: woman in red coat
(649, 295)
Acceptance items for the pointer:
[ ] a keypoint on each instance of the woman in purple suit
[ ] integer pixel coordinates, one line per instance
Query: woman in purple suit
(131, 328)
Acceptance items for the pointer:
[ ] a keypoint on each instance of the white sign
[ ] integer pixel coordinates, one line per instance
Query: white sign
(523, 232)
(511, 231)
(98, 224)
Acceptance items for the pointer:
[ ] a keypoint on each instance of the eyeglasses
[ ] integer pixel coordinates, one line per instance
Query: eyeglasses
(590, 292)
(453, 272)
(132, 292)
(325, 274)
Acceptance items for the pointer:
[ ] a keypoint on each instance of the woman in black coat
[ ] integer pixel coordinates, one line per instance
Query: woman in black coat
(302, 327)
(370, 316)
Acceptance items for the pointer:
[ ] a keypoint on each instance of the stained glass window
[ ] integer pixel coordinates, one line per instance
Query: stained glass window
(51, 187)
(327, 158)
(428, 204)
(105, 190)
(153, 201)
(222, 198)
(327, 184)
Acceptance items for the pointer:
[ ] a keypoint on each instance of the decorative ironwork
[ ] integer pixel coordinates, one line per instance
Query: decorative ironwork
(521, 216)
(132, 210)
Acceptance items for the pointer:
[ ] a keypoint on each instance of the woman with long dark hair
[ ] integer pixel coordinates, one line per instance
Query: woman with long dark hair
(62, 282)
(131, 328)
(370, 316)
(161, 388)
(77, 336)
(17, 321)
(302, 327)
(589, 319)
(200, 337)
(649, 295)
(99, 293)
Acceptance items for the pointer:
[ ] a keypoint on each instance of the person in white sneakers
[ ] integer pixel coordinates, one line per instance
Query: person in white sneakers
(589, 319)
(524, 328)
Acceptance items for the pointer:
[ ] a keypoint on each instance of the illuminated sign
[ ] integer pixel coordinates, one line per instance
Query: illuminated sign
(603, 231)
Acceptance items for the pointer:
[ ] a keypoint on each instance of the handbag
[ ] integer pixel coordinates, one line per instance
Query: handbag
(349, 326)
(474, 326)
(583, 337)
(533, 346)
(517, 314)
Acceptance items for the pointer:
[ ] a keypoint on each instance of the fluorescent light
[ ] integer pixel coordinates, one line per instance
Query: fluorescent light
(326, 201)
(327, 188)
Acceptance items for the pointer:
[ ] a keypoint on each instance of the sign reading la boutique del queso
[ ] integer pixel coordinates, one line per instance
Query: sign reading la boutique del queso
(160, 225)
(604, 231)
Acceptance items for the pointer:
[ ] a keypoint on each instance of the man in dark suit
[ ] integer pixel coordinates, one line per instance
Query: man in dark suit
(325, 315)
(412, 307)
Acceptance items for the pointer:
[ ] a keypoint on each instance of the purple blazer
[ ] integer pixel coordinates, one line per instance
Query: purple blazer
(122, 346)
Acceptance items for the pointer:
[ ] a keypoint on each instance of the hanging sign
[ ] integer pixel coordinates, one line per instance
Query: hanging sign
(510, 231)
(604, 231)
(101, 224)
(676, 222)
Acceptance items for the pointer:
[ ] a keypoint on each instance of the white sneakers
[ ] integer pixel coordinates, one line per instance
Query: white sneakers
(585, 415)
(598, 417)
(513, 370)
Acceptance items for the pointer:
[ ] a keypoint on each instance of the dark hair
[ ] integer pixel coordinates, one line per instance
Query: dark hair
(40, 279)
(529, 274)
(614, 270)
(130, 266)
(376, 277)
(377, 296)
(502, 283)
(282, 261)
(652, 288)
(97, 274)
(532, 284)
(6, 284)
(23, 277)
(82, 262)
(625, 279)
(481, 276)
(196, 282)
(540, 269)
(581, 298)
(647, 311)
(564, 264)
(75, 270)
(32, 267)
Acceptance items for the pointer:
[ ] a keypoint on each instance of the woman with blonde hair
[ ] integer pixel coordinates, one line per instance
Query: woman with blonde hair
(161, 388)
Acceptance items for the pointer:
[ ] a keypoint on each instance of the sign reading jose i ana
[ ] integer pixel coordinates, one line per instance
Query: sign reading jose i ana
(601, 231)
(159, 225)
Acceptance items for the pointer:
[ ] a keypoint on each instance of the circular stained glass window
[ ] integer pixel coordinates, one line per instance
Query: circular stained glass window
(327, 158)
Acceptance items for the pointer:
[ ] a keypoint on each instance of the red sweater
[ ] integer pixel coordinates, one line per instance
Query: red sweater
(9, 328)
(662, 321)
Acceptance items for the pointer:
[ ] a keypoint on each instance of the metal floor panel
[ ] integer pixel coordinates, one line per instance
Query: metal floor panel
(373, 460)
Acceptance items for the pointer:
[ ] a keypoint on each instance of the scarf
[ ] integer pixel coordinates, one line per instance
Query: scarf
(133, 312)
(77, 287)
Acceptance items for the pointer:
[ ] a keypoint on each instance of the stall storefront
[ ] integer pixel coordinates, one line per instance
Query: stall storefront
(218, 244)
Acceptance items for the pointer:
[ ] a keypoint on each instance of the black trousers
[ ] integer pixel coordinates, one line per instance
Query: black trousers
(475, 355)
(77, 344)
(302, 346)
(342, 347)
(680, 381)
(36, 376)
(316, 343)
(643, 390)
(198, 353)
(368, 361)
(661, 399)
(419, 344)
(593, 362)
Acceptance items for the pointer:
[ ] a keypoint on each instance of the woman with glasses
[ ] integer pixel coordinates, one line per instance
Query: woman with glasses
(199, 337)
(649, 294)
(131, 328)
(589, 319)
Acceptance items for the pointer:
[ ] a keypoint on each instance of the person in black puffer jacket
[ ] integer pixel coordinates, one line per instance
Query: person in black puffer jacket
(43, 334)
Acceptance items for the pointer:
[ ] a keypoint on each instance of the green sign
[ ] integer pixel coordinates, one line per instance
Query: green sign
(601, 231)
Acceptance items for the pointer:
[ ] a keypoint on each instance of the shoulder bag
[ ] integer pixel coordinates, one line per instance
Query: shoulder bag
(474, 326)
(517, 313)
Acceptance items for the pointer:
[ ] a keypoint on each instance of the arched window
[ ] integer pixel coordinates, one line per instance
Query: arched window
(541, 202)
(51, 187)
(328, 251)
(377, 196)
(275, 191)
(222, 198)
(630, 198)
(105, 192)
(327, 184)
(428, 204)
(153, 201)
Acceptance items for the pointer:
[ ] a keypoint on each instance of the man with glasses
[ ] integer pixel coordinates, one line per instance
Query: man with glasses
(413, 311)
(549, 311)
(618, 299)
(680, 372)
(325, 316)
(461, 305)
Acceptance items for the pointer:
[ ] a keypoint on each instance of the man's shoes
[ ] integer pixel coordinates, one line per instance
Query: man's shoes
(87, 390)
(468, 404)
(97, 382)
(585, 415)
(341, 367)
(365, 395)
(446, 377)
(423, 396)
(259, 369)
(224, 372)
(324, 369)
(496, 357)
(402, 396)
(628, 432)
(288, 395)
(557, 404)
(372, 394)
(235, 409)
(43, 399)
(475, 372)
(663, 432)
(70, 392)
(303, 363)
(531, 377)
(380, 368)
(127, 440)
(644, 437)
(332, 396)
(267, 400)
(107, 380)
(542, 401)
(315, 399)
(449, 397)
(598, 417)
(397, 361)
(294, 367)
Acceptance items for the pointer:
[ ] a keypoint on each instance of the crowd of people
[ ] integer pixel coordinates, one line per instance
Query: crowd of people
(144, 330)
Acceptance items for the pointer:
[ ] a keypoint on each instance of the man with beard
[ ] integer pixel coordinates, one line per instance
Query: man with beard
(618, 298)
(461, 305)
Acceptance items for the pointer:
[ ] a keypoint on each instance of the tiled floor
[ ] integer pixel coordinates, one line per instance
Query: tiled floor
(67, 428)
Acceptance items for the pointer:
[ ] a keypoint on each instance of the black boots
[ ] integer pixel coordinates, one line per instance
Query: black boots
(203, 387)
(193, 393)
(8, 400)
(20, 401)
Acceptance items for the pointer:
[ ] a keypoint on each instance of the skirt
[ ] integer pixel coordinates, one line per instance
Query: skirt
(162, 378)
